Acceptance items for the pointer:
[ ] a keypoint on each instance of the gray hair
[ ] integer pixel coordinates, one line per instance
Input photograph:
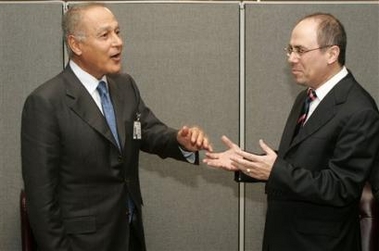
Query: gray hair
(71, 22)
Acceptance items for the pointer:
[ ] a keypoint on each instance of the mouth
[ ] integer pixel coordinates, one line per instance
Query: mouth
(116, 57)
(295, 71)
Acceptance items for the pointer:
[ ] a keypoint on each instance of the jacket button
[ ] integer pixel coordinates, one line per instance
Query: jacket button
(119, 159)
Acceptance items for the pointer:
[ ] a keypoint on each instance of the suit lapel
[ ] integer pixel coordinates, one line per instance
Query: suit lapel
(291, 124)
(324, 112)
(81, 102)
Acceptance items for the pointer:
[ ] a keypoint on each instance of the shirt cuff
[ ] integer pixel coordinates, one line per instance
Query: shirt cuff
(190, 156)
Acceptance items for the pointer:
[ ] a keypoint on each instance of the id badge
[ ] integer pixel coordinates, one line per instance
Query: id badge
(137, 134)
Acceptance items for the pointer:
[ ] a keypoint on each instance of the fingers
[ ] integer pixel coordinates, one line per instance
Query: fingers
(207, 145)
(221, 163)
(228, 142)
(199, 139)
(234, 159)
(210, 155)
(194, 139)
(243, 163)
(265, 147)
(246, 155)
(183, 132)
(197, 136)
(223, 160)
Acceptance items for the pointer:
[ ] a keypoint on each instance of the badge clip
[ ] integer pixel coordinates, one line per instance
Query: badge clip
(137, 134)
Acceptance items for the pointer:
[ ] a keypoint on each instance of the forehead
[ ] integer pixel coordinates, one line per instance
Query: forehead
(305, 33)
(98, 18)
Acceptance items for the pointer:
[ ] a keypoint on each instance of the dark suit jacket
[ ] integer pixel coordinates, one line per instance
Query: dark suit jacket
(317, 180)
(374, 178)
(76, 180)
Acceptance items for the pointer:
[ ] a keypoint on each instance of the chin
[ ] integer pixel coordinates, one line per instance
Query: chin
(300, 82)
(114, 71)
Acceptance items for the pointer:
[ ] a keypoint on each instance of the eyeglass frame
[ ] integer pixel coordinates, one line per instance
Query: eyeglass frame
(299, 51)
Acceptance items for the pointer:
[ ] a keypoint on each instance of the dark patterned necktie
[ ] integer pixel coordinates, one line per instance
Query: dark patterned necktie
(108, 110)
(311, 95)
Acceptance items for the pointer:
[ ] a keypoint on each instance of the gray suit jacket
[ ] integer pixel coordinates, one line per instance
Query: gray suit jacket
(317, 180)
(76, 179)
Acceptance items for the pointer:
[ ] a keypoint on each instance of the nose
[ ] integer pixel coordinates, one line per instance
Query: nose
(117, 40)
(292, 57)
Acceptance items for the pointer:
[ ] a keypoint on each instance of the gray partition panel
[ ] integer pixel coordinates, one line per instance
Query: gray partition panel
(270, 90)
(184, 57)
(30, 52)
(185, 60)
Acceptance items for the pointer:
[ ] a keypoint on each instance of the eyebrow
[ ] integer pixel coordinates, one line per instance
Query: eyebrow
(296, 46)
(107, 28)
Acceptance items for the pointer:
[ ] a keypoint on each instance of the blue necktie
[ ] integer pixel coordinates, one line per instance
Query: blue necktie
(108, 110)
(109, 115)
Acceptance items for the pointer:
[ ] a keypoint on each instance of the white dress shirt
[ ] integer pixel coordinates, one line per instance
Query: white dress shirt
(324, 89)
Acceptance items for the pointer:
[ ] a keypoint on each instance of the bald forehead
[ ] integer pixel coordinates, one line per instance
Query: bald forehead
(81, 13)
(98, 17)
(309, 24)
(96, 11)
(305, 32)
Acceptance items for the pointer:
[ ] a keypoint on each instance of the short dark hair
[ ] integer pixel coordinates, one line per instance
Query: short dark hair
(330, 32)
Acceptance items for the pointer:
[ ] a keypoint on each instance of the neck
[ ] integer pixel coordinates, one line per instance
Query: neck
(332, 71)
(82, 66)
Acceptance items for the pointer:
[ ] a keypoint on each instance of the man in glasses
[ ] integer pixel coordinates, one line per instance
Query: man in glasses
(328, 148)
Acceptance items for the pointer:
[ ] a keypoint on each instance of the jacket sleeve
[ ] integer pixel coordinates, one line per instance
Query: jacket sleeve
(157, 137)
(40, 151)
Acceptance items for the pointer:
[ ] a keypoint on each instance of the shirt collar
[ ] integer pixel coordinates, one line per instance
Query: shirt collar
(89, 81)
(324, 89)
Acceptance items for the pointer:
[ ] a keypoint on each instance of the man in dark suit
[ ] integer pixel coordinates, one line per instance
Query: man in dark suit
(328, 148)
(80, 166)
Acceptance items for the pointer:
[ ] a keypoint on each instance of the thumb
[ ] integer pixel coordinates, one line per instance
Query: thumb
(183, 132)
(265, 147)
(227, 142)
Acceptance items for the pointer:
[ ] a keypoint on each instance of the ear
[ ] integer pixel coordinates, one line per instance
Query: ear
(74, 44)
(333, 53)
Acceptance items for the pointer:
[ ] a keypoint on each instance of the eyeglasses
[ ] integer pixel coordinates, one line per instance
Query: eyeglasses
(299, 51)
